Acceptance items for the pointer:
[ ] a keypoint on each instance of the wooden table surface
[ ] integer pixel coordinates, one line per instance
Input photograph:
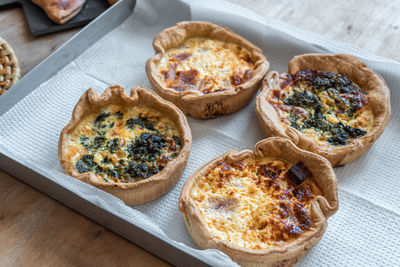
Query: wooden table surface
(39, 231)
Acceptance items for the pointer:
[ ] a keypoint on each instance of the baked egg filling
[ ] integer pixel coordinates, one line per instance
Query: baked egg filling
(205, 65)
(255, 204)
(122, 145)
(325, 106)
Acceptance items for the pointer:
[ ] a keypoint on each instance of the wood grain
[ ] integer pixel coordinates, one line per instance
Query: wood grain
(35, 229)
(371, 25)
(38, 231)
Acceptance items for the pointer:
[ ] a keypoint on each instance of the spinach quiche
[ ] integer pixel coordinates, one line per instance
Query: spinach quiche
(265, 207)
(205, 69)
(333, 105)
(133, 146)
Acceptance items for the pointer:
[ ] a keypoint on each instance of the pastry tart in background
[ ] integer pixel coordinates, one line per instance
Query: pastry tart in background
(133, 146)
(60, 11)
(265, 207)
(205, 69)
(333, 105)
(10, 72)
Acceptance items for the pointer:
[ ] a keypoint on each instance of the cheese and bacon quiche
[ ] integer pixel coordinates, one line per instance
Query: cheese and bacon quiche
(205, 69)
(262, 208)
(333, 105)
(135, 147)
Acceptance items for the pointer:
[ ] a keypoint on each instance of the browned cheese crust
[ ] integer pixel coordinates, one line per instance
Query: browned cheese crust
(369, 110)
(246, 205)
(111, 151)
(60, 11)
(194, 90)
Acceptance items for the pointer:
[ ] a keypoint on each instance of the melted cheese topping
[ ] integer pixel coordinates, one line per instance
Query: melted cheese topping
(254, 204)
(325, 106)
(123, 144)
(206, 65)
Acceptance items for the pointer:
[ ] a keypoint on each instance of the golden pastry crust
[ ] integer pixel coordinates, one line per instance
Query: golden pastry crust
(378, 96)
(143, 190)
(60, 11)
(194, 102)
(10, 72)
(322, 205)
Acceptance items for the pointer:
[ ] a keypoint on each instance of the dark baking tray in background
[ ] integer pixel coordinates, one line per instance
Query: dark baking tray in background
(40, 24)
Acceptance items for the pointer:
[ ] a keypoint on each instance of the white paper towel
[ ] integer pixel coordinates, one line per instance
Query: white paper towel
(364, 232)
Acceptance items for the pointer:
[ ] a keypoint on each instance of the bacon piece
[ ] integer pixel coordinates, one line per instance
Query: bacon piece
(298, 173)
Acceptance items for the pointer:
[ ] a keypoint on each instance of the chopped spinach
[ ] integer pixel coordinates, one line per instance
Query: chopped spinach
(98, 169)
(105, 160)
(338, 132)
(355, 132)
(342, 133)
(147, 146)
(113, 145)
(102, 117)
(85, 142)
(138, 170)
(98, 142)
(113, 173)
(177, 140)
(347, 97)
(142, 170)
(303, 99)
(85, 164)
(119, 115)
(143, 151)
(142, 122)
(293, 120)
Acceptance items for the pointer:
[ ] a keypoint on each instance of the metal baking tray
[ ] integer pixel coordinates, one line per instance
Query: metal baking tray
(113, 17)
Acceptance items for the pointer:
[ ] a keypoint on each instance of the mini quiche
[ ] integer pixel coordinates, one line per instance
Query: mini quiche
(333, 105)
(265, 207)
(205, 69)
(134, 147)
